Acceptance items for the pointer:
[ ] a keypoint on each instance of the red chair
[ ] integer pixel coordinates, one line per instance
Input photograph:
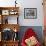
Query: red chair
(29, 33)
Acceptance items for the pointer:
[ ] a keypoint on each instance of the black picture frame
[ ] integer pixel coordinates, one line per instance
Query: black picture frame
(30, 13)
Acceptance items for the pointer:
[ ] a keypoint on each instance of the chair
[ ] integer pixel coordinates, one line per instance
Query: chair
(29, 33)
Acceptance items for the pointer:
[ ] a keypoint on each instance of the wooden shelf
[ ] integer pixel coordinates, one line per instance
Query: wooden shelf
(4, 13)
(9, 43)
(9, 8)
(11, 26)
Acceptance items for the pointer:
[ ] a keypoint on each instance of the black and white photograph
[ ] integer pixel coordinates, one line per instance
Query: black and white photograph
(30, 13)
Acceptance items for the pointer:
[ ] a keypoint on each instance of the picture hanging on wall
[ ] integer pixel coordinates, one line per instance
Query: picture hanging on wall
(30, 13)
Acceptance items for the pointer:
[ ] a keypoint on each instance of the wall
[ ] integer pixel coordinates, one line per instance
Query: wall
(31, 4)
(28, 22)
(27, 4)
(37, 30)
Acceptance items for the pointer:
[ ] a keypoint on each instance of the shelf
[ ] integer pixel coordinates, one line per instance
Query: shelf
(9, 22)
(9, 7)
(11, 41)
(5, 12)
(10, 26)
(9, 10)
(9, 19)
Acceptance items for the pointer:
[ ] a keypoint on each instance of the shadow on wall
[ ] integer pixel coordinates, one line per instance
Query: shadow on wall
(37, 29)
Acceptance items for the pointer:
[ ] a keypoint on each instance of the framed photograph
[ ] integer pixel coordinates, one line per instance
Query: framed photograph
(30, 13)
(5, 12)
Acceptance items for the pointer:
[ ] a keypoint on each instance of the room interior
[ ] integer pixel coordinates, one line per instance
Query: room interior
(17, 16)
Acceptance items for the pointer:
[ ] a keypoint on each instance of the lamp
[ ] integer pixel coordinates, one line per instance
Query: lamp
(15, 3)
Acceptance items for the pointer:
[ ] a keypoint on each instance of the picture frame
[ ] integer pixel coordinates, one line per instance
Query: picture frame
(30, 13)
(5, 12)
